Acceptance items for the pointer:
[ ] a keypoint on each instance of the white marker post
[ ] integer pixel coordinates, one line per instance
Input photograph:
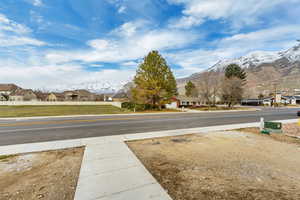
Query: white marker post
(262, 124)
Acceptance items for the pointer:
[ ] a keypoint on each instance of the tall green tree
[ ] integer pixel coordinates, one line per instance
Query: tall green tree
(233, 70)
(190, 89)
(154, 81)
(232, 87)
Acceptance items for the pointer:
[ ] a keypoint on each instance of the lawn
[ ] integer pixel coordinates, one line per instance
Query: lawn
(31, 111)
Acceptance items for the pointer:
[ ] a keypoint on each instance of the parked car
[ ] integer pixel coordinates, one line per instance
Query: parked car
(298, 113)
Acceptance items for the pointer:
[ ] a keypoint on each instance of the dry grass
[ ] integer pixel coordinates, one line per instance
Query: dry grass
(50, 175)
(220, 108)
(222, 166)
(59, 110)
(275, 136)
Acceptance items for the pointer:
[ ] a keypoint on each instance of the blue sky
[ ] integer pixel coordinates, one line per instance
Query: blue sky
(94, 44)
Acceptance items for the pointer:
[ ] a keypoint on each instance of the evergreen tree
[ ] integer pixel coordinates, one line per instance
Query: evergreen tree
(261, 96)
(154, 81)
(191, 90)
(232, 90)
(233, 70)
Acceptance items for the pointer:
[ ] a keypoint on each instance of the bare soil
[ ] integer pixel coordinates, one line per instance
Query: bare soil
(292, 129)
(288, 130)
(50, 175)
(224, 165)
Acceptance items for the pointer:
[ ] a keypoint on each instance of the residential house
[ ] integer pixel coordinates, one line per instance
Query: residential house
(289, 100)
(4, 97)
(79, 95)
(71, 96)
(85, 95)
(54, 96)
(182, 101)
(286, 100)
(269, 101)
(120, 97)
(41, 96)
(297, 98)
(7, 89)
(252, 102)
(22, 95)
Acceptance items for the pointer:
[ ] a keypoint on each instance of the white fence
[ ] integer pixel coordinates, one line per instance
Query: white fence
(52, 103)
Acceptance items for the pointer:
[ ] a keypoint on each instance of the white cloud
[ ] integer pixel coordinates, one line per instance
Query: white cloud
(6, 41)
(37, 3)
(237, 12)
(130, 64)
(130, 43)
(62, 77)
(131, 28)
(14, 34)
(11, 26)
(122, 9)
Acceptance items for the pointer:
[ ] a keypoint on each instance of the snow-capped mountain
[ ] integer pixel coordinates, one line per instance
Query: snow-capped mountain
(265, 71)
(257, 58)
(98, 87)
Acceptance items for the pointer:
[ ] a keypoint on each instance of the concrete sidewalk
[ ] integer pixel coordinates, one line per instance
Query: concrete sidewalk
(110, 171)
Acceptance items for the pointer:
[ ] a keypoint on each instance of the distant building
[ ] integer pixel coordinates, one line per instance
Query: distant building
(292, 100)
(252, 102)
(4, 97)
(41, 96)
(85, 95)
(7, 89)
(182, 101)
(22, 95)
(120, 97)
(79, 95)
(54, 96)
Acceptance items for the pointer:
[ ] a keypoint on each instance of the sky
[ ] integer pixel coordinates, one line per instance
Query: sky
(98, 44)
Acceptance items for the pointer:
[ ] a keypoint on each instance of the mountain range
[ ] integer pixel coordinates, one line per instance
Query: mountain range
(267, 72)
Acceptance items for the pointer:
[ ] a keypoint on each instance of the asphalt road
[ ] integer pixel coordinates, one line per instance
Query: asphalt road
(49, 129)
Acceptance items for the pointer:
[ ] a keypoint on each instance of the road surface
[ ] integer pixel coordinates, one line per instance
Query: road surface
(62, 128)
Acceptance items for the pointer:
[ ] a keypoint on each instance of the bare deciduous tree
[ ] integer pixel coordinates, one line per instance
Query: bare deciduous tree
(209, 86)
(232, 91)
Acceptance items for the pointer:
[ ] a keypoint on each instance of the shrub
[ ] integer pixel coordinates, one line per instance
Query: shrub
(138, 107)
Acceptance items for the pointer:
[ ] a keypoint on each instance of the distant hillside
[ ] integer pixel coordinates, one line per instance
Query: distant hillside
(266, 71)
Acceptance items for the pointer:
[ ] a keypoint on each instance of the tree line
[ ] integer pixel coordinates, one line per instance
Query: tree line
(154, 84)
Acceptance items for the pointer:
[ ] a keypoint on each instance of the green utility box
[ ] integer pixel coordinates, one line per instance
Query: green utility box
(273, 127)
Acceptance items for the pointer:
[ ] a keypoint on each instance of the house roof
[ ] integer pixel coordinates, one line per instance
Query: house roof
(8, 87)
(58, 95)
(83, 92)
(184, 98)
(120, 95)
(288, 97)
(268, 98)
(297, 97)
(41, 95)
(79, 92)
(21, 92)
(252, 100)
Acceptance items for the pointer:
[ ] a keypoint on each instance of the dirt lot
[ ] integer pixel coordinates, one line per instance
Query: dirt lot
(228, 165)
(292, 129)
(288, 131)
(48, 175)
